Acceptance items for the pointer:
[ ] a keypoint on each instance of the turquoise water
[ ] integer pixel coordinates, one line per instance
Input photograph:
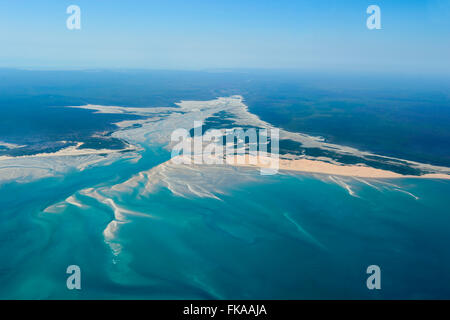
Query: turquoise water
(283, 236)
(287, 236)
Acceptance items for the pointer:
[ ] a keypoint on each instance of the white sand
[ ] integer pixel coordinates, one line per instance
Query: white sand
(157, 129)
(314, 166)
(70, 151)
(10, 145)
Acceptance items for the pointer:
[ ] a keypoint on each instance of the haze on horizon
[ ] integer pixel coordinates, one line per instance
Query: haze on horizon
(319, 35)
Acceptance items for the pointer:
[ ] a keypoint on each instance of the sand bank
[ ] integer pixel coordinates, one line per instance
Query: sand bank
(315, 166)
(312, 166)
(70, 151)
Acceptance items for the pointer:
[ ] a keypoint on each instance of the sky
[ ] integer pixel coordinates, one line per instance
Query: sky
(232, 34)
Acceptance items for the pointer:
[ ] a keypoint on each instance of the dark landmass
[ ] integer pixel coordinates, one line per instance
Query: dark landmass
(45, 147)
(293, 147)
(103, 143)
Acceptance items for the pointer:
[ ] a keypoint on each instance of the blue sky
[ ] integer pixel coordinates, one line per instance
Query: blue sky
(180, 34)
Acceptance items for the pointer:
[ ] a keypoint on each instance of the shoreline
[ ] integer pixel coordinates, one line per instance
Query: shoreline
(153, 128)
(70, 151)
(321, 167)
(310, 166)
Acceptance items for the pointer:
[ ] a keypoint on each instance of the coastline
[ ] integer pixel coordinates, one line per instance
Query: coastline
(308, 166)
(321, 167)
(71, 151)
(157, 125)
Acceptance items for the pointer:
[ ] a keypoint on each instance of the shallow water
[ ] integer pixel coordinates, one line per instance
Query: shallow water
(207, 233)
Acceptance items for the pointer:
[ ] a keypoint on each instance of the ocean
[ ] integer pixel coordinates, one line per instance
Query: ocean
(286, 236)
(140, 228)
